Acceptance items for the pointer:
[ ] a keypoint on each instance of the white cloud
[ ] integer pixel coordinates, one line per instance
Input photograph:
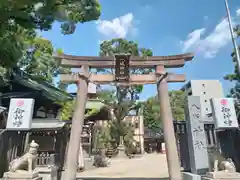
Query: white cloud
(192, 39)
(238, 12)
(118, 27)
(212, 43)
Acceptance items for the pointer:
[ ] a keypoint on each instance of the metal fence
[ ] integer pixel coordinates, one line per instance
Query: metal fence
(182, 143)
(46, 159)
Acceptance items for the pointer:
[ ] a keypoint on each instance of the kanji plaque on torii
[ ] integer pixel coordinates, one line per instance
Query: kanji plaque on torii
(122, 67)
(160, 77)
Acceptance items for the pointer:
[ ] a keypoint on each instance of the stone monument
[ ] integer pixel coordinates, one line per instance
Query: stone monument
(121, 149)
(197, 141)
(24, 167)
(206, 107)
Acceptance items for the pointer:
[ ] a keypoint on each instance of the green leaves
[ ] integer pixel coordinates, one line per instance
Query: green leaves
(119, 46)
(107, 96)
(123, 99)
(13, 41)
(235, 76)
(177, 104)
(19, 20)
(151, 113)
(151, 109)
(121, 107)
(77, 11)
(68, 108)
(101, 136)
(39, 62)
(40, 15)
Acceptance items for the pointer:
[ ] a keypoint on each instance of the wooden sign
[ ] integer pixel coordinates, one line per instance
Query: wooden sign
(122, 67)
(20, 114)
(224, 113)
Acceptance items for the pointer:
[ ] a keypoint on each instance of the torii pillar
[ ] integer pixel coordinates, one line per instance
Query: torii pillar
(174, 168)
(77, 125)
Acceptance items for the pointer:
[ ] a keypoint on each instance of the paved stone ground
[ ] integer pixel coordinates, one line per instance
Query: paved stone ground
(147, 166)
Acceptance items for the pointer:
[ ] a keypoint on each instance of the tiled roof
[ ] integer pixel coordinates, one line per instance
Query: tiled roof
(47, 124)
(48, 90)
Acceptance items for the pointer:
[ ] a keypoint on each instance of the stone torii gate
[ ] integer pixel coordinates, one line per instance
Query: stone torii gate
(159, 77)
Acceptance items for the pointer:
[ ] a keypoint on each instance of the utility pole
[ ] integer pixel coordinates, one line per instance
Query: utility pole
(232, 35)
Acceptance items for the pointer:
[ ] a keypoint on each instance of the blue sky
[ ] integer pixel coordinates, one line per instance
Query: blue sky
(165, 26)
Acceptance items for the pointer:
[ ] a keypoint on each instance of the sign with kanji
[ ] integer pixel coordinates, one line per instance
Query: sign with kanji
(20, 114)
(224, 113)
(122, 67)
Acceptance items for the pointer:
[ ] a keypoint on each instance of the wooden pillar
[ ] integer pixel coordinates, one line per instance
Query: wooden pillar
(77, 125)
(168, 129)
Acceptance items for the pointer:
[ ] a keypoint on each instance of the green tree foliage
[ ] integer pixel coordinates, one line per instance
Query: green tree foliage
(151, 109)
(119, 46)
(19, 20)
(13, 43)
(39, 62)
(151, 113)
(101, 137)
(177, 104)
(235, 76)
(121, 108)
(122, 100)
(67, 109)
(41, 14)
(235, 93)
